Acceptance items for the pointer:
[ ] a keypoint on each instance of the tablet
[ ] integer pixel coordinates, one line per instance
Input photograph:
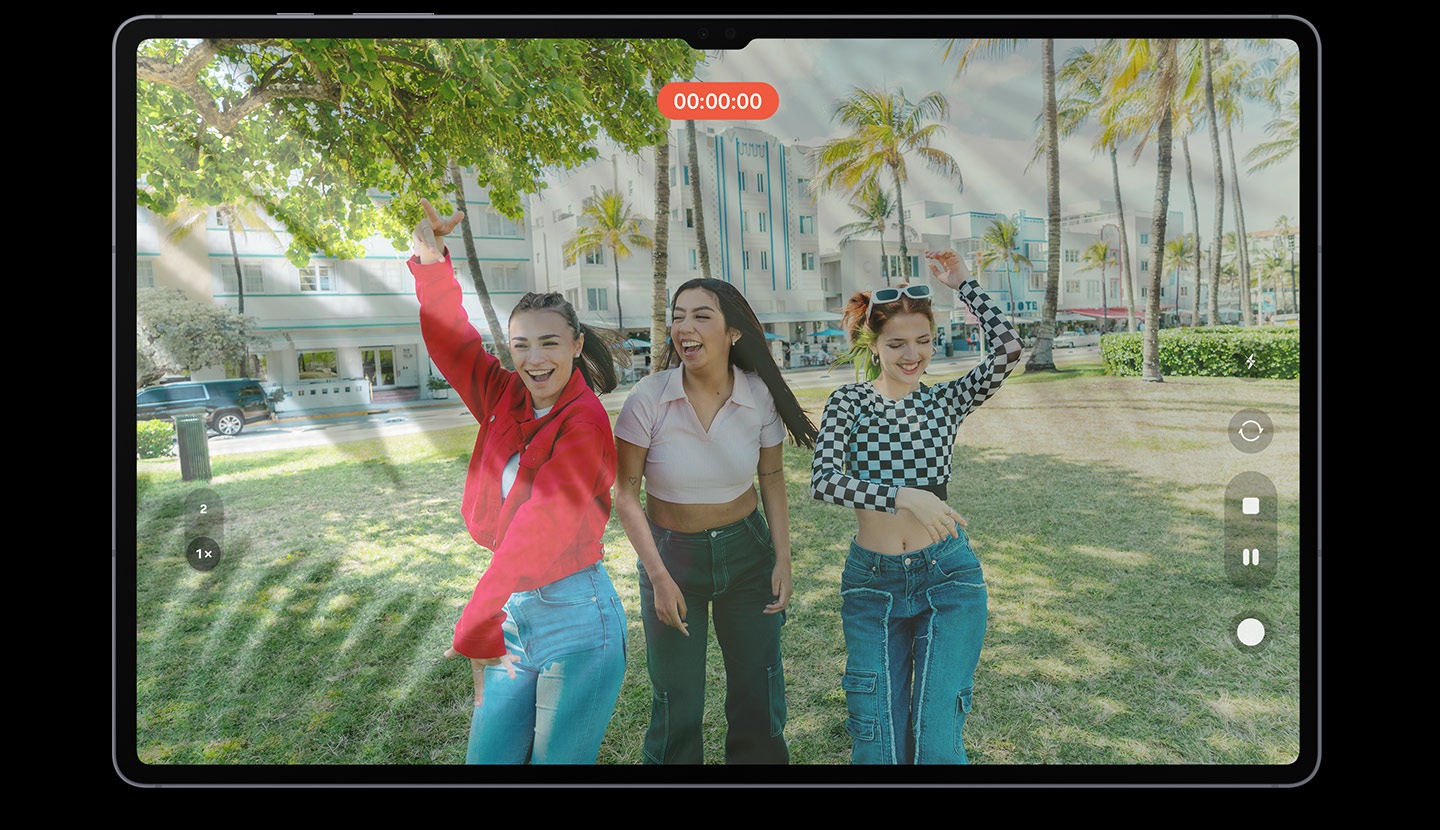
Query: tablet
(1137, 196)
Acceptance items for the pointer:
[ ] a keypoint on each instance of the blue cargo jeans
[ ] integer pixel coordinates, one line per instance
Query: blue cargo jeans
(725, 571)
(570, 637)
(914, 624)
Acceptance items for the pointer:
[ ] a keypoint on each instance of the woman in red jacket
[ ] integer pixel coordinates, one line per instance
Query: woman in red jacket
(544, 628)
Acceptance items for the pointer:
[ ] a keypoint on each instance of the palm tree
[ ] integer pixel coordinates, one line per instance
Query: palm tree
(1208, 63)
(1150, 69)
(1041, 356)
(1178, 252)
(697, 203)
(659, 294)
(614, 227)
(1097, 255)
(245, 215)
(1001, 245)
(1285, 129)
(1086, 76)
(874, 205)
(885, 127)
(477, 276)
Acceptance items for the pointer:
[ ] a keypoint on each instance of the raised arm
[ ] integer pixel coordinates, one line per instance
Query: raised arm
(453, 342)
(1003, 341)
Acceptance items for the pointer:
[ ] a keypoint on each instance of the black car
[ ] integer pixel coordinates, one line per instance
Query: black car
(229, 404)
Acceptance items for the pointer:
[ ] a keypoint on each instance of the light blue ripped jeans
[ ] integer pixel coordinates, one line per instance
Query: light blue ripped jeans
(570, 638)
(914, 624)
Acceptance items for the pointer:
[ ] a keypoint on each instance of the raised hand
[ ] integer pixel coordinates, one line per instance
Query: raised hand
(428, 233)
(947, 267)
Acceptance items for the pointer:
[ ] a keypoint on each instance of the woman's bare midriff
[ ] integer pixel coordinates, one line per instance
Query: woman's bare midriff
(890, 533)
(693, 518)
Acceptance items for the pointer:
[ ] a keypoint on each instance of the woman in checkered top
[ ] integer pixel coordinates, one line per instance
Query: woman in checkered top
(913, 599)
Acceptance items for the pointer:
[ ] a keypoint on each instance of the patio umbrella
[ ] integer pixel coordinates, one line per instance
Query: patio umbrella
(830, 332)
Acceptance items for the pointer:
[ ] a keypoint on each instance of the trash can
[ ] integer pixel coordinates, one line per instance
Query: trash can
(949, 348)
(192, 443)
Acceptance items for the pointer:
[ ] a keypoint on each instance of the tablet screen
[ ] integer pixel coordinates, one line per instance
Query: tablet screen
(1141, 491)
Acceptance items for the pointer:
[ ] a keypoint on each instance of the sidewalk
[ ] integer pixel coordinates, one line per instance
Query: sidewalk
(612, 400)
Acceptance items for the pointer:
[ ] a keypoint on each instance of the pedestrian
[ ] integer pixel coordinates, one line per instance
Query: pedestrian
(544, 628)
(913, 599)
(697, 434)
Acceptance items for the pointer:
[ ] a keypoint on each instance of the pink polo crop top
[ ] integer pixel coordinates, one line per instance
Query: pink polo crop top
(685, 464)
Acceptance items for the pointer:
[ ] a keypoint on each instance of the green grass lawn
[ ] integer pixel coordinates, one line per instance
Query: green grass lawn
(1094, 504)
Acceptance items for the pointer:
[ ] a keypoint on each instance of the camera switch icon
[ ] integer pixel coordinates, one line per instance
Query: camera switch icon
(1250, 506)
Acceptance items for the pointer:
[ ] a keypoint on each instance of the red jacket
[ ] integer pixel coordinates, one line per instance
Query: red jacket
(551, 524)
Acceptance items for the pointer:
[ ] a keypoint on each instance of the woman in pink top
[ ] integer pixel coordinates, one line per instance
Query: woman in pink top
(698, 434)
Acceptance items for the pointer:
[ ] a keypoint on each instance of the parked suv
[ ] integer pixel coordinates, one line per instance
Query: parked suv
(229, 404)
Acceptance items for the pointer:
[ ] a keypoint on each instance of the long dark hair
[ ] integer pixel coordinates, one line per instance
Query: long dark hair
(596, 362)
(750, 354)
(863, 325)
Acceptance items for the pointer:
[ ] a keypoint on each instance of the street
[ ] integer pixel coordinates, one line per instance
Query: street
(426, 415)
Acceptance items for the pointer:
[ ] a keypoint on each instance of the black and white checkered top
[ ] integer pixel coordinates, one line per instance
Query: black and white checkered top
(870, 446)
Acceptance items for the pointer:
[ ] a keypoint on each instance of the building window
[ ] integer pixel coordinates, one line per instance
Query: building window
(764, 260)
(807, 261)
(672, 175)
(1037, 280)
(1092, 288)
(1144, 239)
(254, 278)
(1114, 288)
(759, 182)
(689, 217)
(144, 273)
(1144, 291)
(762, 220)
(1184, 290)
(694, 259)
(316, 365)
(744, 220)
(572, 296)
(1072, 255)
(316, 278)
(745, 260)
(803, 184)
(807, 224)
(1072, 286)
(595, 257)
(597, 299)
(687, 174)
(1144, 265)
(499, 225)
(741, 174)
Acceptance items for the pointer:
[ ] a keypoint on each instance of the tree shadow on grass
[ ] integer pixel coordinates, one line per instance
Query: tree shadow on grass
(318, 637)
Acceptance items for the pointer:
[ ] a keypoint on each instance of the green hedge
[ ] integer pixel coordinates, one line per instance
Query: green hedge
(154, 439)
(1222, 351)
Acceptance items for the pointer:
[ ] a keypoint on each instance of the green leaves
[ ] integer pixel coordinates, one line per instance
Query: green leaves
(308, 125)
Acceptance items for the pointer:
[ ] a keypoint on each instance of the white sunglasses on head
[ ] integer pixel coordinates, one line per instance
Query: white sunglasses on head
(880, 296)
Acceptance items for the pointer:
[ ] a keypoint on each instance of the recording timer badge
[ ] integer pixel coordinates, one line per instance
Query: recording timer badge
(204, 526)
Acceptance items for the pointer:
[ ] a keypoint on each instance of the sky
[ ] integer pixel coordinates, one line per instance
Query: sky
(990, 132)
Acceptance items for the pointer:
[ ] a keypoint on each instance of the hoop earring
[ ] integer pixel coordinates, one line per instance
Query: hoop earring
(875, 358)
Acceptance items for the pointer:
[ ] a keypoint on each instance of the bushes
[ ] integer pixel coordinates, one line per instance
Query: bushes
(1223, 351)
(154, 439)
